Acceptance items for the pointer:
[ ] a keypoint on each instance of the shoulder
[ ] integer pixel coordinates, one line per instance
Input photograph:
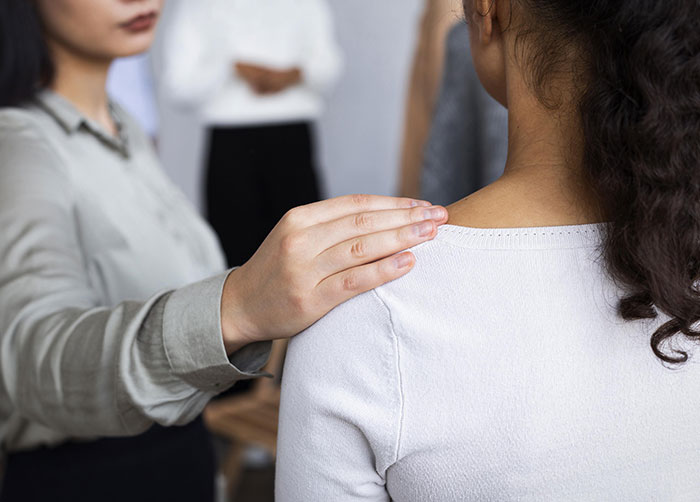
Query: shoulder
(342, 380)
(351, 352)
(29, 162)
(365, 326)
(20, 124)
(360, 326)
(438, 263)
(24, 131)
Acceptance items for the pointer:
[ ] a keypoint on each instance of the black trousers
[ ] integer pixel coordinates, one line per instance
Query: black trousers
(254, 176)
(175, 464)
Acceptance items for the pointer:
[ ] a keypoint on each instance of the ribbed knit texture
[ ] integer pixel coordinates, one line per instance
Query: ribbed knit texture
(498, 369)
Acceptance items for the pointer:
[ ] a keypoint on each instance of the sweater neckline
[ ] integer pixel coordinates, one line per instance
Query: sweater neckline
(557, 237)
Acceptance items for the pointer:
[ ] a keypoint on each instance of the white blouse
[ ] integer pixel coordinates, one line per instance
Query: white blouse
(207, 37)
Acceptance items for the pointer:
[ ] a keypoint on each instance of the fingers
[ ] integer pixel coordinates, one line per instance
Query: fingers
(328, 234)
(372, 247)
(332, 209)
(350, 283)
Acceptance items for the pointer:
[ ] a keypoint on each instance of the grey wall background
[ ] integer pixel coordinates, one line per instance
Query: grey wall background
(360, 133)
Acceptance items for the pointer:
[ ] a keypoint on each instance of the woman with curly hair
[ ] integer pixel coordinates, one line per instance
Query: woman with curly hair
(542, 349)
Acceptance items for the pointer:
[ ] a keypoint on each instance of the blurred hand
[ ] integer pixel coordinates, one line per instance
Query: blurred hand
(265, 80)
(317, 257)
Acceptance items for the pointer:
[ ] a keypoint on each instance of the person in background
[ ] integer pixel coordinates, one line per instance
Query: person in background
(257, 72)
(468, 142)
(118, 318)
(438, 17)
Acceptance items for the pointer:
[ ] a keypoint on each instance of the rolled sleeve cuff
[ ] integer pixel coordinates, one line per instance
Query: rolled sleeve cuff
(194, 343)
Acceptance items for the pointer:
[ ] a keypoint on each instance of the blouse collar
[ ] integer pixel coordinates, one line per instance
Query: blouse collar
(72, 120)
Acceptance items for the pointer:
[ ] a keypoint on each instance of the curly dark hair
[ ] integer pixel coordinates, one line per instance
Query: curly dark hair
(640, 112)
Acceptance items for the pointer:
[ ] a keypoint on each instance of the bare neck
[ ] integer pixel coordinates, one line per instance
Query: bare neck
(543, 183)
(83, 82)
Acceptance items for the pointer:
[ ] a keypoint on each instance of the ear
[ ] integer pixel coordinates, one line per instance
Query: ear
(484, 16)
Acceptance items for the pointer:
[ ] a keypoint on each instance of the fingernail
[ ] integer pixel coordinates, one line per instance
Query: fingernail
(402, 260)
(436, 213)
(424, 203)
(424, 229)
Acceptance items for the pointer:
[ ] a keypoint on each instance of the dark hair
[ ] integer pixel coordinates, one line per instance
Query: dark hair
(25, 61)
(640, 112)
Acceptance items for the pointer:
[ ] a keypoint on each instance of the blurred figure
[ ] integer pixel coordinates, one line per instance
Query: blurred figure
(468, 143)
(257, 72)
(438, 17)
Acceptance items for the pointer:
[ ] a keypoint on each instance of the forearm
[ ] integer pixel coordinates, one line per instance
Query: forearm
(113, 372)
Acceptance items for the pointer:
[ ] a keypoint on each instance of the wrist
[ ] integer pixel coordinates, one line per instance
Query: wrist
(236, 328)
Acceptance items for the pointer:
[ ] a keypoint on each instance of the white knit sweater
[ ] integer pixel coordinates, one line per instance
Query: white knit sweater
(497, 370)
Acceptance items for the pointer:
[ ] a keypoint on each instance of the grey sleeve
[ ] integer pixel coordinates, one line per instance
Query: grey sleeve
(68, 362)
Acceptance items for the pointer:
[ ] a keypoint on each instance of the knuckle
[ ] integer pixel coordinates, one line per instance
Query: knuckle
(406, 236)
(360, 199)
(416, 214)
(403, 235)
(292, 243)
(358, 249)
(294, 217)
(363, 221)
(351, 282)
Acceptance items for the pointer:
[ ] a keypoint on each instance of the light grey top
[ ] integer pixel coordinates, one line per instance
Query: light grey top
(468, 142)
(497, 370)
(104, 327)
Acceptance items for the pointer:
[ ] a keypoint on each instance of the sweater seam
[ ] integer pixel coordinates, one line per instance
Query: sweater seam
(397, 360)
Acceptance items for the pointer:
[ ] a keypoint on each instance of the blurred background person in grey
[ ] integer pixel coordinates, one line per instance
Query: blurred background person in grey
(455, 134)
(437, 18)
(257, 73)
(467, 145)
